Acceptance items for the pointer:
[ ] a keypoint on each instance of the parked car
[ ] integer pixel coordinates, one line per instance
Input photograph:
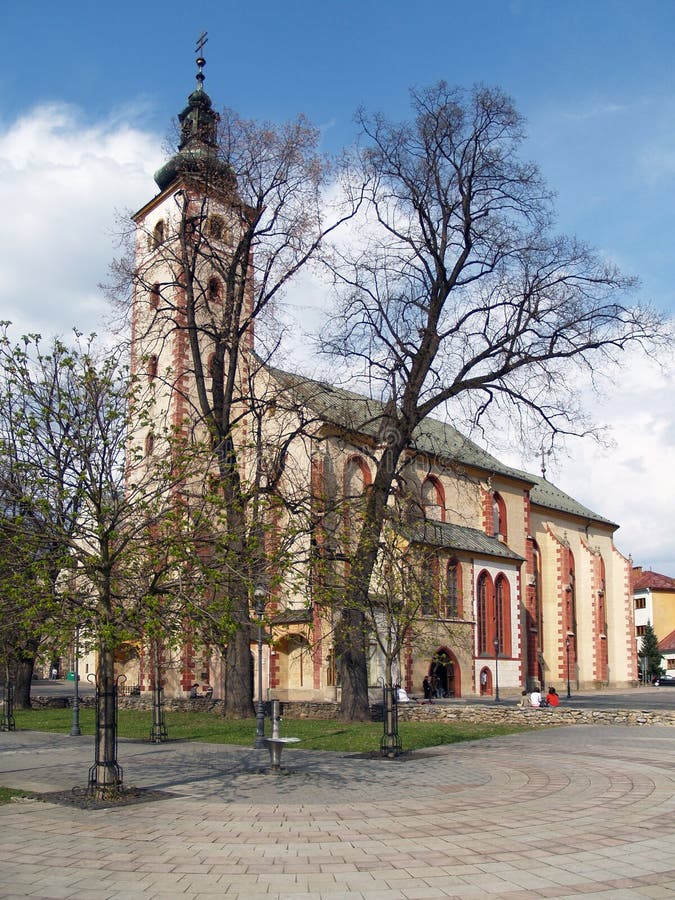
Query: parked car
(664, 680)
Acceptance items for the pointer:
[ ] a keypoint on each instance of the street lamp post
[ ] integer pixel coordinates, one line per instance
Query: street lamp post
(567, 651)
(75, 727)
(496, 646)
(259, 605)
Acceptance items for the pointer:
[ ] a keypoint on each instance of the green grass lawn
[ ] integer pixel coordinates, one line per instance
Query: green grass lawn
(6, 795)
(315, 734)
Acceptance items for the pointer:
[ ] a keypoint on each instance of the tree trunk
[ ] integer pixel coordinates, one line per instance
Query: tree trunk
(239, 675)
(238, 661)
(351, 631)
(23, 681)
(105, 776)
(351, 649)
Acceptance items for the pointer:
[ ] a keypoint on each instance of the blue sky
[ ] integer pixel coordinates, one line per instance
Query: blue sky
(87, 92)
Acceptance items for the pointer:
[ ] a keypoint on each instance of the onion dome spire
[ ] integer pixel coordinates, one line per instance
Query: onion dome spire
(197, 150)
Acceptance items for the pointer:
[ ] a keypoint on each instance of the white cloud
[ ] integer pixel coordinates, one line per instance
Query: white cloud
(633, 481)
(62, 183)
(595, 110)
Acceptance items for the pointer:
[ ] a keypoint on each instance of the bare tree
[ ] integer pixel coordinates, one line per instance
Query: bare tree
(245, 214)
(457, 295)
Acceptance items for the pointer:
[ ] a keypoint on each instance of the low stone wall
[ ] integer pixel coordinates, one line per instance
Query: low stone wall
(535, 718)
(482, 713)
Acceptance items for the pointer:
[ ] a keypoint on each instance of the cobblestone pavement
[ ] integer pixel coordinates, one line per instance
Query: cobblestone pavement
(558, 813)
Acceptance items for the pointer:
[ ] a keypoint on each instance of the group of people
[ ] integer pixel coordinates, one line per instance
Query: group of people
(432, 687)
(205, 691)
(535, 699)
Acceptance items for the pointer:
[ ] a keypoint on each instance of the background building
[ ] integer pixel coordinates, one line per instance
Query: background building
(654, 601)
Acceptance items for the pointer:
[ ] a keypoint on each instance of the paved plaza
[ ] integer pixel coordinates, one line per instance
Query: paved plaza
(584, 810)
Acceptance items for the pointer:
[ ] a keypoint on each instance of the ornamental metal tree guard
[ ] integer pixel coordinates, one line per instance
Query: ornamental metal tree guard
(7, 722)
(106, 776)
(390, 745)
(158, 731)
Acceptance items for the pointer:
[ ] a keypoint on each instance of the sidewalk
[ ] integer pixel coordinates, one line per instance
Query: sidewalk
(556, 813)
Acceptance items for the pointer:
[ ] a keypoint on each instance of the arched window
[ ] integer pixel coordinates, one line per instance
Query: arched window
(433, 499)
(537, 611)
(571, 598)
(149, 443)
(356, 477)
(158, 234)
(216, 228)
(485, 614)
(503, 615)
(601, 631)
(214, 290)
(454, 589)
(152, 367)
(154, 296)
(602, 603)
(211, 365)
(429, 586)
(499, 517)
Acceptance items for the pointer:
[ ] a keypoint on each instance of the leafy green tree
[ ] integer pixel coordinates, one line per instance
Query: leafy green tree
(109, 511)
(649, 653)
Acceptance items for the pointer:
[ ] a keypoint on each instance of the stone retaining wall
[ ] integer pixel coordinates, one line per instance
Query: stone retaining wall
(489, 715)
(481, 713)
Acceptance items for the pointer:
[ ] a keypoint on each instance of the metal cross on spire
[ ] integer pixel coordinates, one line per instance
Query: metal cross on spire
(201, 62)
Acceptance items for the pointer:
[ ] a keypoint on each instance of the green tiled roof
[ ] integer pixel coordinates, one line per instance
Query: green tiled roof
(459, 538)
(547, 495)
(355, 413)
(292, 617)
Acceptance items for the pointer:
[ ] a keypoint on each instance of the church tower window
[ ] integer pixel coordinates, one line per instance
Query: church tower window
(214, 290)
(216, 228)
(158, 234)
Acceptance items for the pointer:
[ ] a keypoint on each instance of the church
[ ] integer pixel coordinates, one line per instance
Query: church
(522, 585)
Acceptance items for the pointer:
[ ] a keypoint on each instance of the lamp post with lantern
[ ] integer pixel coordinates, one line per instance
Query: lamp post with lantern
(259, 597)
(75, 730)
(567, 651)
(496, 646)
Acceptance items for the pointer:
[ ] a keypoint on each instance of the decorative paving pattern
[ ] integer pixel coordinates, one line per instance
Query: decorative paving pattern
(575, 811)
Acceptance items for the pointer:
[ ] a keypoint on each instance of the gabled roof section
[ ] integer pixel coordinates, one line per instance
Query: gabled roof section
(653, 581)
(354, 413)
(357, 414)
(459, 539)
(667, 645)
(547, 495)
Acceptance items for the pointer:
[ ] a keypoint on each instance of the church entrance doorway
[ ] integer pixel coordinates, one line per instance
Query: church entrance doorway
(485, 681)
(444, 674)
